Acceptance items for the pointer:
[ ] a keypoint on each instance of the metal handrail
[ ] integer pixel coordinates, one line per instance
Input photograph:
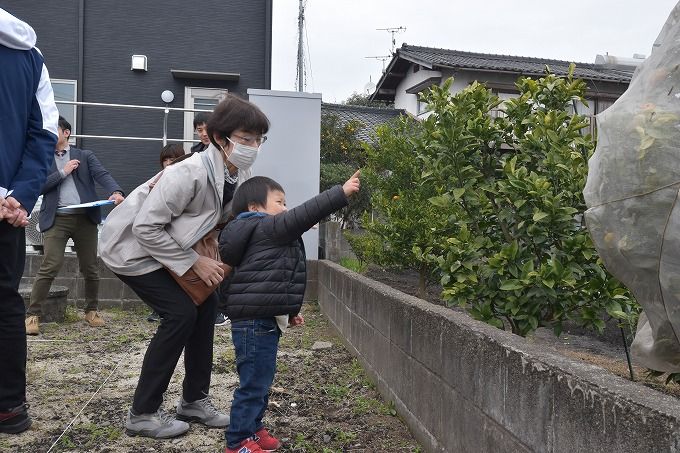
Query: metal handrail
(166, 112)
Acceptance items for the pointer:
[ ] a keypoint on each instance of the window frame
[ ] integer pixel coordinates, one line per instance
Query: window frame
(73, 119)
(190, 94)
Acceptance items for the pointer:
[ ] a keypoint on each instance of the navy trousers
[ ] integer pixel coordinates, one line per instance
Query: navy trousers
(12, 316)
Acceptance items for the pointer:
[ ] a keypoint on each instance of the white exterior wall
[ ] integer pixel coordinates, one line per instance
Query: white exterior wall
(291, 154)
(409, 102)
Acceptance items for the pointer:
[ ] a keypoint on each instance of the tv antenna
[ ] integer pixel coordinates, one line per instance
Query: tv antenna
(393, 31)
(382, 58)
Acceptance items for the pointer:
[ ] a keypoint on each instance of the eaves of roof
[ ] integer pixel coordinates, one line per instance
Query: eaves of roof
(434, 58)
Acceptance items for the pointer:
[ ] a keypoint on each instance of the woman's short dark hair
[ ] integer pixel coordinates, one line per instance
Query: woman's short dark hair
(171, 151)
(234, 113)
(253, 191)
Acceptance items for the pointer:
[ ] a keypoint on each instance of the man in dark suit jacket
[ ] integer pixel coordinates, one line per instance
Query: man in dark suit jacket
(201, 129)
(70, 182)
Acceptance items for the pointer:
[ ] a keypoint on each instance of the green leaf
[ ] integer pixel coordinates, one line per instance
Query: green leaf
(511, 285)
(457, 193)
(442, 201)
(540, 215)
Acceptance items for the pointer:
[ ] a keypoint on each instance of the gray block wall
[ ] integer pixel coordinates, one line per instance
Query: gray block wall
(464, 386)
(113, 292)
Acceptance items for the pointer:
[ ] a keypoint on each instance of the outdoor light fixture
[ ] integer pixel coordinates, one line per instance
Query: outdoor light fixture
(139, 63)
(167, 96)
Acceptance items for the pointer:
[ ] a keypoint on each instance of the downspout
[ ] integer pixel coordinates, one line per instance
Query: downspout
(81, 68)
(267, 45)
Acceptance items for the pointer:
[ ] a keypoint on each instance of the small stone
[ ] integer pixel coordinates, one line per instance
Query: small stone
(321, 345)
(326, 438)
(293, 404)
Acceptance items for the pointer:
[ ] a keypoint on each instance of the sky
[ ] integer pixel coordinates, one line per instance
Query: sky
(340, 34)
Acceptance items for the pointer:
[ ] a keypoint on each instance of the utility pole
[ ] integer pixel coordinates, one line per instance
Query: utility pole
(300, 53)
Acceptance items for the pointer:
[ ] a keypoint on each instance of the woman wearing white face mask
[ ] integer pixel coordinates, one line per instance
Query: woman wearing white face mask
(154, 231)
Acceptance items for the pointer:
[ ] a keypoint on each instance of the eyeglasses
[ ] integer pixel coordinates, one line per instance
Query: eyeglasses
(252, 140)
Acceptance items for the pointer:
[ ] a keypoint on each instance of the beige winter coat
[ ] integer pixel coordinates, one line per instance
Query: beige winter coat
(156, 228)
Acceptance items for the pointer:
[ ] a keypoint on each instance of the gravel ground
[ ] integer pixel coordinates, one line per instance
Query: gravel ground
(81, 380)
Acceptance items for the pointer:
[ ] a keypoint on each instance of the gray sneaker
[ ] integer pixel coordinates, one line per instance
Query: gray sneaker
(202, 411)
(158, 425)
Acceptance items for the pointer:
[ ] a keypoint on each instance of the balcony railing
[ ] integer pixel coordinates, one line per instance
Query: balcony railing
(166, 111)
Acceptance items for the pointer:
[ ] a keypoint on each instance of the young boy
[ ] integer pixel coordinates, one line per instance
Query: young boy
(264, 293)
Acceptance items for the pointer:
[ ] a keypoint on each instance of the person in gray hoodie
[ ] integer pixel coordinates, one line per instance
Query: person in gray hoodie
(29, 134)
(151, 233)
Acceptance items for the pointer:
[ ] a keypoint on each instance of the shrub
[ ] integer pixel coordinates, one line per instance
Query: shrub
(406, 226)
(518, 255)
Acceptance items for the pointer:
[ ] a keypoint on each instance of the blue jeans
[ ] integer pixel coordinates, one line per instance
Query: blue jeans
(256, 342)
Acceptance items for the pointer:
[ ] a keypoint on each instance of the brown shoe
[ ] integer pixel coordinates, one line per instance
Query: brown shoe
(94, 319)
(32, 325)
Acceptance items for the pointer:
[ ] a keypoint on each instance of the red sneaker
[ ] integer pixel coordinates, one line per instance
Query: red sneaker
(266, 441)
(247, 446)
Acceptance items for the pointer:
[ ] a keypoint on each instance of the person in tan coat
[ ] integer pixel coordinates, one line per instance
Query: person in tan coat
(153, 232)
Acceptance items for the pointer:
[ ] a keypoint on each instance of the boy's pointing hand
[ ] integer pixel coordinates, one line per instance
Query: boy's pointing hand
(352, 185)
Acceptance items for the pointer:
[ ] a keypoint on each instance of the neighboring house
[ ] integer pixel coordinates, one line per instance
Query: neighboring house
(414, 69)
(368, 117)
(199, 51)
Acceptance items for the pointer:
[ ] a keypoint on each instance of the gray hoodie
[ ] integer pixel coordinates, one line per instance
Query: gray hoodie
(14, 33)
(156, 228)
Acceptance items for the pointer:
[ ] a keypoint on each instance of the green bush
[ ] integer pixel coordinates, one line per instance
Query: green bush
(341, 156)
(404, 229)
(518, 255)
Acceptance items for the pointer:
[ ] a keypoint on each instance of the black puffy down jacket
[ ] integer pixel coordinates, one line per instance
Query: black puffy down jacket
(268, 257)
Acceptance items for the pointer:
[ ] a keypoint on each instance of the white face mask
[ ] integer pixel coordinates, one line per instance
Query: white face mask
(243, 156)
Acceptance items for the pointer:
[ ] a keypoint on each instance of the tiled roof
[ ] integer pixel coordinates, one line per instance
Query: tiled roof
(434, 57)
(369, 117)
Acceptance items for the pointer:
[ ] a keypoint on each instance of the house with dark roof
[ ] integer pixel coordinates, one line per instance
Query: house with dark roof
(129, 52)
(369, 117)
(414, 69)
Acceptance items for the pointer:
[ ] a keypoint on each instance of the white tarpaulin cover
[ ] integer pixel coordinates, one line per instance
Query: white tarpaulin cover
(633, 199)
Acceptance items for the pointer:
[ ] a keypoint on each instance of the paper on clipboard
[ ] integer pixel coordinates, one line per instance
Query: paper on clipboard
(91, 204)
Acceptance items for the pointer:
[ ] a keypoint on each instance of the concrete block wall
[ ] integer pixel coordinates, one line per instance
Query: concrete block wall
(333, 242)
(464, 386)
(113, 292)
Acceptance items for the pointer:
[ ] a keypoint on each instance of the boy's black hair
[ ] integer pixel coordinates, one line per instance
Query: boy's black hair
(253, 191)
(64, 125)
(234, 113)
(201, 118)
(171, 151)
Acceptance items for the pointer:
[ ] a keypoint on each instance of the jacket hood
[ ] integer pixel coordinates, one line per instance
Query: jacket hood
(15, 33)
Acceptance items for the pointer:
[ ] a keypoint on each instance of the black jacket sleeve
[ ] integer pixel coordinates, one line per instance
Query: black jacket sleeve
(290, 225)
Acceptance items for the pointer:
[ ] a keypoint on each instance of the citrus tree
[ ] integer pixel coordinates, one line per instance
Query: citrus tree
(518, 255)
(341, 155)
(403, 229)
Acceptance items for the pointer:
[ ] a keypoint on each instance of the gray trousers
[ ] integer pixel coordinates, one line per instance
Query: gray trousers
(84, 234)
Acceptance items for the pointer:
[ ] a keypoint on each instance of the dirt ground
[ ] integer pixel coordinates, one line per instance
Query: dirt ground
(604, 350)
(81, 381)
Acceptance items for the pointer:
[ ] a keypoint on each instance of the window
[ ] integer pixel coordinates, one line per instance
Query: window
(66, 90)
(502, 96)
(604, 104)
(198, 98)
